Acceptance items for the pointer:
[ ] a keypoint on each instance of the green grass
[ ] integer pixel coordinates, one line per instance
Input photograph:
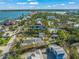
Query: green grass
(4, 41)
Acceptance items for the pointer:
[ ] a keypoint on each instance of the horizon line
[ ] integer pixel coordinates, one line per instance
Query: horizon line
(33, 9)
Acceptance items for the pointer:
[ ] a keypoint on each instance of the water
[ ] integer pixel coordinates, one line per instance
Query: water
(12, 14)
(9, 14)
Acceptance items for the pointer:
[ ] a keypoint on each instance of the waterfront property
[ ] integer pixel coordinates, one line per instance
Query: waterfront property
(9, 22)
(56, 52)
(32, 32)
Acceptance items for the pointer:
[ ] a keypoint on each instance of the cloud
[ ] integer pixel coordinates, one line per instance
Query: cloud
(54, 5)
(21, 3)
(71, 2)
(62, 4)
(32, 6)
(2, 2)
(29, 0)
(49, 6)
(33, 3)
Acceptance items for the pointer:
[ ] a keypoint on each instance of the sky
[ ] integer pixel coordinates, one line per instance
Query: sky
(39, 4)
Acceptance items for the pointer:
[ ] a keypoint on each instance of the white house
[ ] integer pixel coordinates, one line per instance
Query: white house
(32, 40)
(76, 25)
(50, 17)
(36, 55)
(53, 30)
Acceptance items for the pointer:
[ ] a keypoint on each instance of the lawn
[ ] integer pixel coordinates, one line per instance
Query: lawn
(4, 41)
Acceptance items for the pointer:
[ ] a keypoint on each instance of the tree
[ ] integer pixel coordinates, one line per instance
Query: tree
(63, 35)
(14, 56)
(74, 54)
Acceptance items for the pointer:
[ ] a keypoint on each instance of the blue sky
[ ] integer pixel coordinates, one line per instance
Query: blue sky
(39, 4)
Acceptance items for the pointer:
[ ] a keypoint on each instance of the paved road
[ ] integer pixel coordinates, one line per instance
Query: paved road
(7, 47)
(10, 43)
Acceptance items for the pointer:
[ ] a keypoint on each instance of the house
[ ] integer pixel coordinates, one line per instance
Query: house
(70, 22)
(38, 19)
(37, 27)
(54, 30)
(50, 23)
(36, 55)
(2, 30)
(54, 35)
(50, 17)
(39, 22)
(76, 25)
(30, 40)
(33, 40)
(56, 52)
(41, 35)
(28, 17)
(9, 22)
(62, 12)
(59, 23)
(6, 35)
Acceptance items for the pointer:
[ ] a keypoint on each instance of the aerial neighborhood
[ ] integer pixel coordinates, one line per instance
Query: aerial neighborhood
(40, 35)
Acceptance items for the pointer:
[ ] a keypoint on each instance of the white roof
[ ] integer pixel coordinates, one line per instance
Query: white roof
(39, 19)
(32, 38)
(36, 55)
(76, 25)
(53, 29)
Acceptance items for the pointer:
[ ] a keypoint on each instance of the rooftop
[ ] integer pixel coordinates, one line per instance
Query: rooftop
(38, 27)
(36, 55)
(58, 50)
